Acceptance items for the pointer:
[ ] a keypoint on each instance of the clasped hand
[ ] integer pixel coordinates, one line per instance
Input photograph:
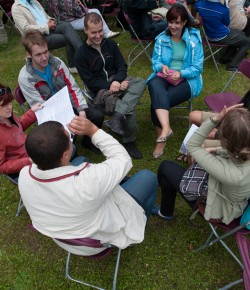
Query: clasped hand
(174, 76)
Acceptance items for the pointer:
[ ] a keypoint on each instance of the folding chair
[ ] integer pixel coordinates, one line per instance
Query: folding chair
(8, 15)
(73, 244)
(19, 97)
(114, 13)
(216, 102)
(231, 229)
(142, 44)
(20, 204)
(244, 249)
(213, 48)
(244, 68)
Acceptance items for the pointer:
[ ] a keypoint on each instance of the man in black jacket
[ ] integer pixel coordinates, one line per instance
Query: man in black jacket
(103, 69)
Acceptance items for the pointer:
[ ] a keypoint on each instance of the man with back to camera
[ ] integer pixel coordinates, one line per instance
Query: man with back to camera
(103, 69)
(43, 75)
(30, 15)
(68, 202)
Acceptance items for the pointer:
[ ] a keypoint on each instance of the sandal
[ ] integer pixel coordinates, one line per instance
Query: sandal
(182, 157)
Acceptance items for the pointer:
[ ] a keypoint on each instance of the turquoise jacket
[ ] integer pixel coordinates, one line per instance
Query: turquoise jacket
(193, 58)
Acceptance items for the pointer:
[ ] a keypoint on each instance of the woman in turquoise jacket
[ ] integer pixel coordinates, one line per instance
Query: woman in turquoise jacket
(178, 54)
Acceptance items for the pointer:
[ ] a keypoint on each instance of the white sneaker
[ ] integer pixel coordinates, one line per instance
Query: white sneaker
(73, 70)
(111, 34)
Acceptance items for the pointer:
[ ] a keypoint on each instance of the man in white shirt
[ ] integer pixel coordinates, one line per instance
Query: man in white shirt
(82, 201)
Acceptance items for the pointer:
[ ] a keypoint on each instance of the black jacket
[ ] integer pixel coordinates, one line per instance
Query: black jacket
(141, 21)
(98, 69)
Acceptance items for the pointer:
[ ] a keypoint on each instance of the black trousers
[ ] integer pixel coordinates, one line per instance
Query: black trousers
(97, 118)
(169, 178)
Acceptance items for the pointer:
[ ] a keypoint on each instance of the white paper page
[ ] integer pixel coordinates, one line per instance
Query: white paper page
(57, 108)
(190, 132)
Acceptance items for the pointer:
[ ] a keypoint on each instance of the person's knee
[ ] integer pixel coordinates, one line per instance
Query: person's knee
(195, 117)
(65, 25)
(165, 166)
(149, 176)
(137, 84)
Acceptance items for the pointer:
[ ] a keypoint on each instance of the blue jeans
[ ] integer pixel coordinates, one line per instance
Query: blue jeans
(77, 160)
(142, 186)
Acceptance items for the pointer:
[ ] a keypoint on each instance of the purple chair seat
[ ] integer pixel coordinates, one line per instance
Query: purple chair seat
(217, 102)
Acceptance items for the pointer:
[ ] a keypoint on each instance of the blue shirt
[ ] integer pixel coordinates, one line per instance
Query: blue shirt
(38, 14)
(47, 77)
(215, 19)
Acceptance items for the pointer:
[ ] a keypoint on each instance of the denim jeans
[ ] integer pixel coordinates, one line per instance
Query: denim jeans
(142, 186)
(75, 161)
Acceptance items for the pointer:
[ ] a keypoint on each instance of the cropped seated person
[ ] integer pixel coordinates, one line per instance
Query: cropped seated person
(169, 3)
(43, 75)
(30, 15)
(145, 26)
(238, 17)
(101, 208)
(198, 117)
(73, 11)
(228, 168)
(13, 156)
(103, 69)
(216, 20)
(177, 54)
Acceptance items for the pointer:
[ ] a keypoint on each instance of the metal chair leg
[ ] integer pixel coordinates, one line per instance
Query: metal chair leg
(116, 269)
(67, 275)
(20, 207)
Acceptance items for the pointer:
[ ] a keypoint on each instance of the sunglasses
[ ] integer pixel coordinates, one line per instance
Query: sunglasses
(3, 91)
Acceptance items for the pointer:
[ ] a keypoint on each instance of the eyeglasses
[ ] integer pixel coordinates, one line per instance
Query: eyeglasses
(4, 90)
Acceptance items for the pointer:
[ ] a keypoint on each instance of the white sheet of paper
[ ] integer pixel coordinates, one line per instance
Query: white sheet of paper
(57, 108)
(190, 132)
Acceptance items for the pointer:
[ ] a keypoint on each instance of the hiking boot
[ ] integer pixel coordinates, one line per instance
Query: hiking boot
(115, 123)
(132, 150)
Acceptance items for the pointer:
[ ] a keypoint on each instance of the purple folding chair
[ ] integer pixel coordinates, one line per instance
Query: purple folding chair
(244, 68)
(234, 228)
(72, 245)
(213, 48)
(142, 44)
(244, 249)
(19, 97)
(8, 14)
(113, 12)
(216, 102)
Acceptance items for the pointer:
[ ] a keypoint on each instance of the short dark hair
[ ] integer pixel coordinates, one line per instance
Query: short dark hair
(91, 18)
(178, 10)
(31, 38)
(7, 97)
(46, 144)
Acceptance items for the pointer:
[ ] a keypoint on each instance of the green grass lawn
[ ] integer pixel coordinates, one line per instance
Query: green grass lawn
(165, 259)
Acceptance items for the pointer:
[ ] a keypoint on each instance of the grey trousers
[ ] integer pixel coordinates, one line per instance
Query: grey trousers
(239, 44)
(64, 35)
(126, 106)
